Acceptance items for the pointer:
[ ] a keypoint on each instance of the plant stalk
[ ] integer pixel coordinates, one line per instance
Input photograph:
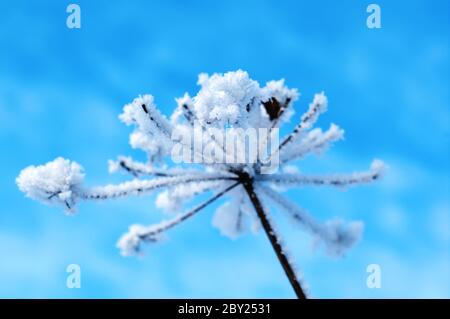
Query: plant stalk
(288, 269)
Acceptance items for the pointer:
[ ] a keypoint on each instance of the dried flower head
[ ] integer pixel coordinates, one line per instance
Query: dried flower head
(229, 106)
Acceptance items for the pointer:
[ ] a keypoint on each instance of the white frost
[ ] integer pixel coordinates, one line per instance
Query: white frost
(223, 97)
(227, 103)
(130, 242)
(56, 182)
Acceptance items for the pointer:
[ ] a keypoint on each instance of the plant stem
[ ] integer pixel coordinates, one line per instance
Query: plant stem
(288, 269)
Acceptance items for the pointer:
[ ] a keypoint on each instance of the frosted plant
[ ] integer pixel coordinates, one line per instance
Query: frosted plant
(229, 104)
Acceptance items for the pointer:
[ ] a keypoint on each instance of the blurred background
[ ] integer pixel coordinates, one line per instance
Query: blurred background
(62, 89)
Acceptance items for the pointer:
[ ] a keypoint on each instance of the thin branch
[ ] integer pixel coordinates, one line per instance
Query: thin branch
(137, 169)
(373, 174)
(315, 142)
(137, 187)
(205, 129)
(337, 236)
(185, 103)
(165, 225)
(296, 213)
(308, 119)
(273, 238)
(157, 119)
(173, 198)
(274, 122)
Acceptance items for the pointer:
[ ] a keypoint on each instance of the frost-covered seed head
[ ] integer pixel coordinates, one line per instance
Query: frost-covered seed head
(226, 103)
(223, 98)
(56, 182)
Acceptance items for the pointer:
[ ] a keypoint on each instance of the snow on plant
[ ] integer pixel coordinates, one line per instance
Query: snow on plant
(229, 104)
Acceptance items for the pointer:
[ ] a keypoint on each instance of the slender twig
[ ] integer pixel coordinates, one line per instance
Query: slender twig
(137, 187)
(182, 217)
(288, 269)
(137, 171)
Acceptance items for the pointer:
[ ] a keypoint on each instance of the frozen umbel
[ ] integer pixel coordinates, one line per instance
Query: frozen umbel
(231, 104)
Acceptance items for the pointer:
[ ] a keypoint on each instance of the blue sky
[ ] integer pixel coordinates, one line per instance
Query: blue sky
(61, 91)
